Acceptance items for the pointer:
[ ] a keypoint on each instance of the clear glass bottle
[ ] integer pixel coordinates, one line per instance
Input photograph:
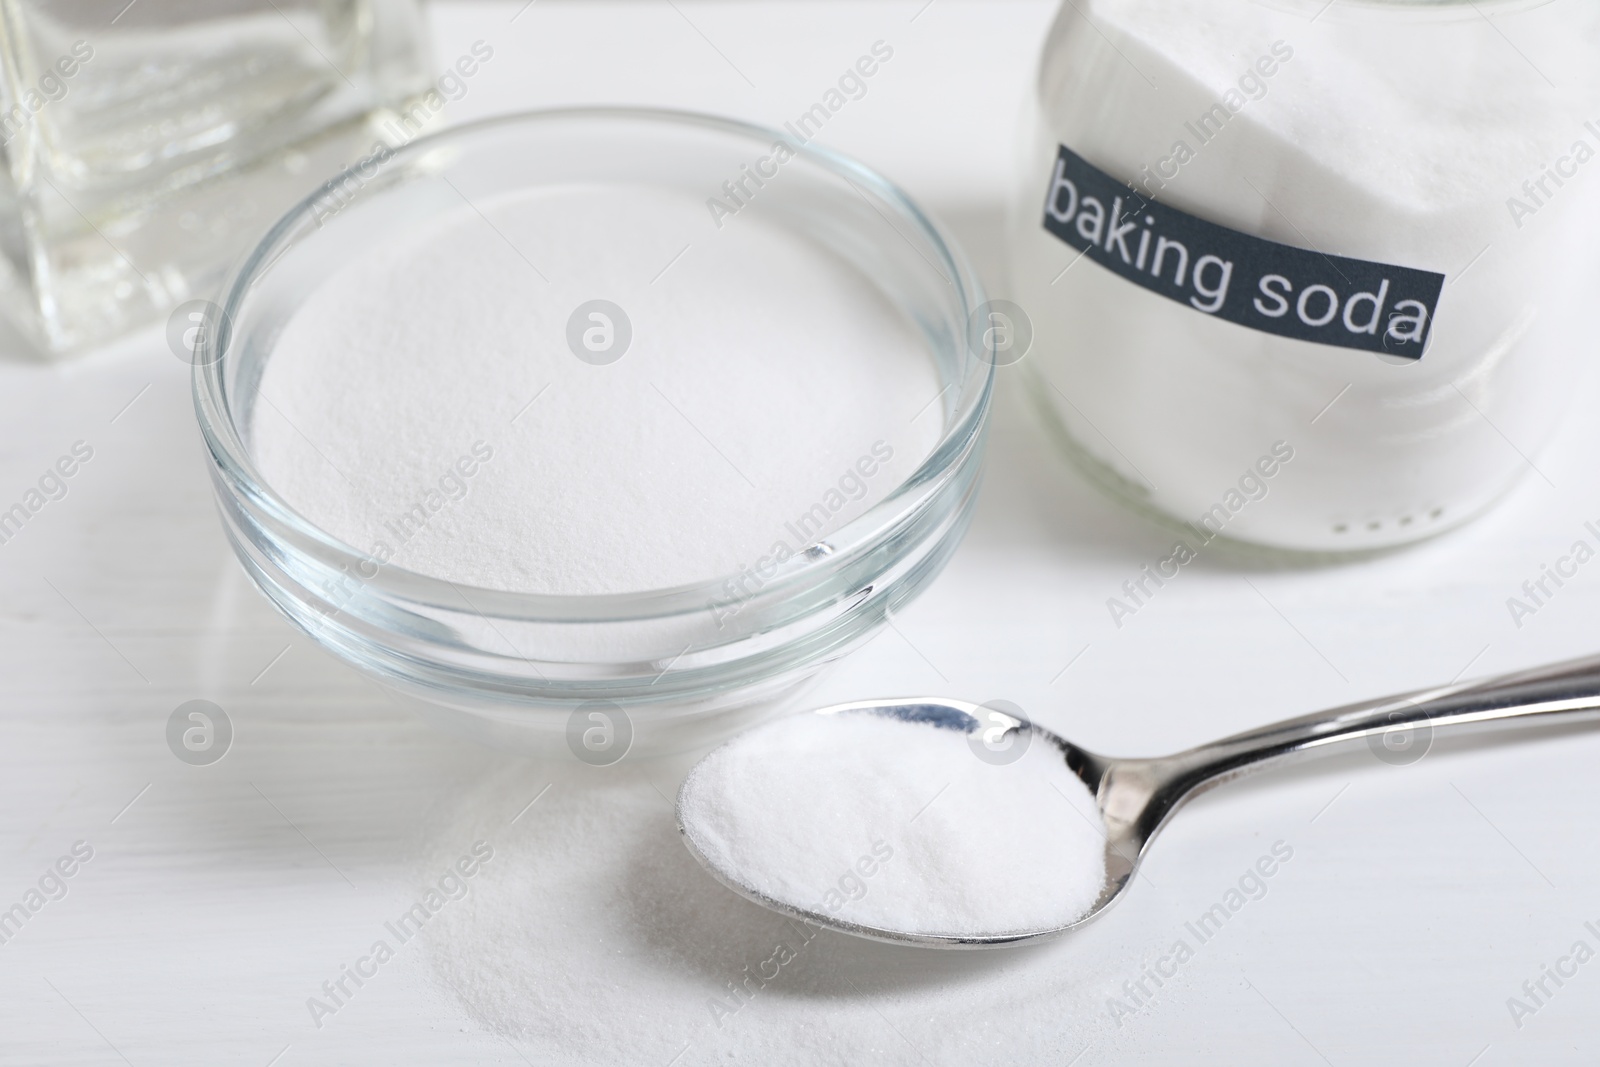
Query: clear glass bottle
(147, 142)
(1344, 295)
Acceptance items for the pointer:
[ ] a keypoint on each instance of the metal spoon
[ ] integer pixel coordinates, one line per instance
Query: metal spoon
(1136, 797)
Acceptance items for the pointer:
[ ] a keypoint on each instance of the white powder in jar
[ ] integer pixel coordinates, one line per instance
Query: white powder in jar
(898, 825)
(424, 406)
(1391, 132)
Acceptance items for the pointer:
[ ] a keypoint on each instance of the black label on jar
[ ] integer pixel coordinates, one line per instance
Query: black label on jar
(1267, 286)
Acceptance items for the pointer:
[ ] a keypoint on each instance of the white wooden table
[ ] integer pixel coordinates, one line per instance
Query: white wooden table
(219, 899)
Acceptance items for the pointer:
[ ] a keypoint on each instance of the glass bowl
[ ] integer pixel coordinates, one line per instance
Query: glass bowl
(651, 671)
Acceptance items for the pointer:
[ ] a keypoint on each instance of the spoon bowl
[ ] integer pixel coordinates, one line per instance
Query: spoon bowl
(1000, 731)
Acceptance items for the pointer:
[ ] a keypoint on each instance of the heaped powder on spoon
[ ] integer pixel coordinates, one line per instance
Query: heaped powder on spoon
(424, 405)
(898, 826)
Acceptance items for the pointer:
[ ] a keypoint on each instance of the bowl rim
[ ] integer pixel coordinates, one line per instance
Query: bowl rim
(234, 465)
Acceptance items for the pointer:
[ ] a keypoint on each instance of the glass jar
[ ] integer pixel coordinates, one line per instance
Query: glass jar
(145, 148)
(1310, 275)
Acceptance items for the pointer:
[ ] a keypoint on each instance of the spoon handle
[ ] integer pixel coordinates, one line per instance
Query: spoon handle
(1399, 729)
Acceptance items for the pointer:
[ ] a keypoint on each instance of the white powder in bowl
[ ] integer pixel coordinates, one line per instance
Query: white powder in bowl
(424, 404)
(899, 826)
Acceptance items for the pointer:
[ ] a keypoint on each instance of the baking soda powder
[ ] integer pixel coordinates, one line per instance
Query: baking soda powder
(898, 825)
(583, 390)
